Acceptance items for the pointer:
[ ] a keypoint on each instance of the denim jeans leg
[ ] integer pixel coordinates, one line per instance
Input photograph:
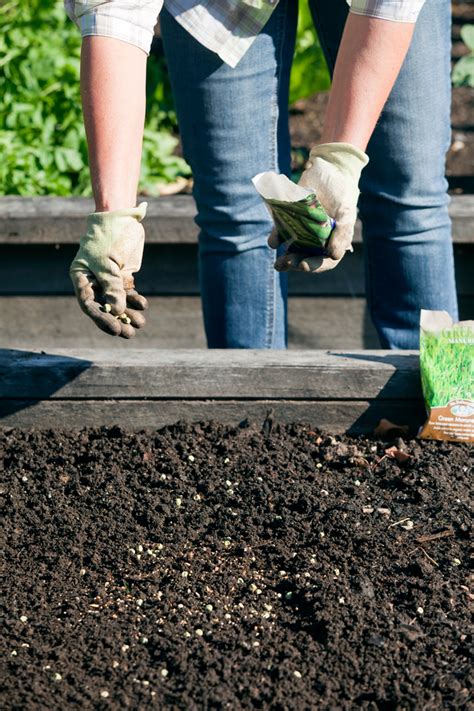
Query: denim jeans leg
(404, 203)
(234, 124)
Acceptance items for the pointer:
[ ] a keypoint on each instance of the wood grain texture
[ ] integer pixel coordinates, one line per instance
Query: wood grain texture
(173, 270)
(223, 374)
(176, 322)
(54, 220)
(357, 417)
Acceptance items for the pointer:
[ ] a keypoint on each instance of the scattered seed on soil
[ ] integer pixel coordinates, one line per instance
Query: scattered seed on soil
(372, 650)
(104, 694)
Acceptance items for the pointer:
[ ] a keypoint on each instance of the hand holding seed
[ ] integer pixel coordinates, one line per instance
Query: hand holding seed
(102, 271)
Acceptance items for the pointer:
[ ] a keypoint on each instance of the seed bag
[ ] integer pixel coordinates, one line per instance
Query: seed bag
(447, 376)
(297, 213)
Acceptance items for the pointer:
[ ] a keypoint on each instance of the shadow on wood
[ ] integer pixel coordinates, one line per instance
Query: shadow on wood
(137, 389)
(400, 400)
(47, 381)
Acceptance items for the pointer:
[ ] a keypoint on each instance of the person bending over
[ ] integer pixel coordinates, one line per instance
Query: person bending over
(386, 133)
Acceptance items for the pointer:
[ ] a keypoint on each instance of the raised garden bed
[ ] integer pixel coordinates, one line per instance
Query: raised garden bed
(249, 567)
(147, 389)
(38, 240)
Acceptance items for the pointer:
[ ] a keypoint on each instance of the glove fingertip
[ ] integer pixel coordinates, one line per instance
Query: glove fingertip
(117, 302)
(127, 332)
(337, 252)
(274, 240)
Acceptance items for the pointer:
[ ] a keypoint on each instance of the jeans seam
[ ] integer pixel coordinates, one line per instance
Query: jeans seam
(271, 288)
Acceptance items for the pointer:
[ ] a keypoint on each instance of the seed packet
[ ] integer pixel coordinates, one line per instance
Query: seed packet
(447, 376)
(298, 215)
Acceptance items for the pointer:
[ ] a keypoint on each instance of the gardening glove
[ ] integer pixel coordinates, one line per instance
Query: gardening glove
(332, 172)
(102, 272)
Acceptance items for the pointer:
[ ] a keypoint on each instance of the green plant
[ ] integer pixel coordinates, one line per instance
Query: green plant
(463, 72)
(309, 72)
(42, 138)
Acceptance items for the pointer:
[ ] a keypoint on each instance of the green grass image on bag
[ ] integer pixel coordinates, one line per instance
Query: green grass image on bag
(447, 376)
(447, 366)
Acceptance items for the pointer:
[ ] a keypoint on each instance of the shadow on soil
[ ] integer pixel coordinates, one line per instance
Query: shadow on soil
(27, 377)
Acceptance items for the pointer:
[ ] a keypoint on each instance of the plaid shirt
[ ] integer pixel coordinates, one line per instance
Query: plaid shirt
(227, 27)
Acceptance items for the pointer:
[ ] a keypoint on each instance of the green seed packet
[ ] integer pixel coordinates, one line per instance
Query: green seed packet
(447, 376)
(297, 213)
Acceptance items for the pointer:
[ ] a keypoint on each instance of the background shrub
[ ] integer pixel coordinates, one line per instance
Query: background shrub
(42, 141)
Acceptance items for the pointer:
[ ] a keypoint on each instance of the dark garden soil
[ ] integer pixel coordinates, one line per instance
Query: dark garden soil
(205, 567)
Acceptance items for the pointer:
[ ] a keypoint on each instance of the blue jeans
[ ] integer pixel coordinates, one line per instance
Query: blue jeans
(234, 124)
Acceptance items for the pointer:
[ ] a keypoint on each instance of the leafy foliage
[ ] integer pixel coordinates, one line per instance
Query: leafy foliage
(463, 72)
(309, 72)
(42, 138)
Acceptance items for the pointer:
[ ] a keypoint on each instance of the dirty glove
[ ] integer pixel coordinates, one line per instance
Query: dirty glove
(332, 171)
(102, 272)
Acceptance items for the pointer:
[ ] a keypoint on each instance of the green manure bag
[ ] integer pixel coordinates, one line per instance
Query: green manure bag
(447, 376)
(298, 215)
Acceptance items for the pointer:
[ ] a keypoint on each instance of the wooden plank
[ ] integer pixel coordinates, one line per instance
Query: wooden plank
(358, 417)
(195, 374)
(319, 322)
(55, 220)
(176, 322)
(173, 269)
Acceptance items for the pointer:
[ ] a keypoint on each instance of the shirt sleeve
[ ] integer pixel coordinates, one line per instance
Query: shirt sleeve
(133, 21)
(395, 10)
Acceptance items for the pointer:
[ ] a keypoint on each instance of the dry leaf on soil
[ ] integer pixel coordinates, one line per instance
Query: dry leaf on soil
(398, 454)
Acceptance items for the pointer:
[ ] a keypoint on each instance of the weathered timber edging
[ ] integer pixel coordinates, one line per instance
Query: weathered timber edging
(170, 220)
(337, 390)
